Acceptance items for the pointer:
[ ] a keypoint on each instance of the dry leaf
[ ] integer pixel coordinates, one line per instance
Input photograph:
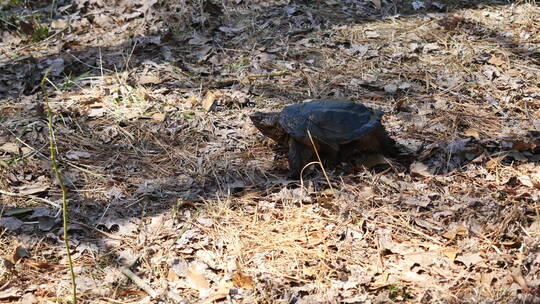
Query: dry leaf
(450, 253)
(221, 293)
(240, 280)
(209, 100)
(10, 148)
(160, 117)
(470, 259)
(376, 3)
(172, 276)
(149, 79)
(517, 276)
(20, 252)
(494, 162)
(381, 281)
(420, 169)
(197, 281)
(10, 223)
(457, 230)
(472, 133)
(534, 228)
(496, 61)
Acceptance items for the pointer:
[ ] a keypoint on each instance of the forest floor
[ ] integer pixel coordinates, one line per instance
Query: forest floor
(168, 178)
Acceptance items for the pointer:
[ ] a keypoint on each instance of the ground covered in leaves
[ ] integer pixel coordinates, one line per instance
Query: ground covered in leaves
(170, 184)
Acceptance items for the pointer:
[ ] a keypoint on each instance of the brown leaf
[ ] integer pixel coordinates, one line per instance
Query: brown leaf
(420, 169)
(450, 253)
(240, 280)
(381, 281)
(521, 145)
(150, 79)
(159, 117)
(12, 148)
(496, 60)
(470, 259)
(472, 133)
(210, 99)
(494, 162)
(456, 230)
(5, 266)
(197, 281)
(517, 276)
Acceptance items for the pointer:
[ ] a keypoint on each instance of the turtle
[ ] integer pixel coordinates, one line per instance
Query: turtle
(338, 129)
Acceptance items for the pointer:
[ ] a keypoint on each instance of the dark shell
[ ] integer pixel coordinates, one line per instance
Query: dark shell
(331, 122)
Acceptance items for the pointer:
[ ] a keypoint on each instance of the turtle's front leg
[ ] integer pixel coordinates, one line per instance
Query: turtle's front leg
(299, 155)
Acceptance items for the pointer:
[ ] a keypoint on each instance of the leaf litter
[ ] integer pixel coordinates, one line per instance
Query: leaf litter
(168, 178)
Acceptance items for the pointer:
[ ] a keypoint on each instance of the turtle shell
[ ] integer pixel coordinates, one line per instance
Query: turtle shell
(330, 122)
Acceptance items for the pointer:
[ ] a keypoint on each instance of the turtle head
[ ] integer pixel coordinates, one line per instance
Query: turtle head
(268, 124)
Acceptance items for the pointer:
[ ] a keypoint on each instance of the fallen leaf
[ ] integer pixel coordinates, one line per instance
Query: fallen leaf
(517, 276)
(20, 252)
(12, 292)
(376, 3)
(197, 281)
(472, 133)
(381, 281)
(150, 79)
(159, 117)
(10, 148)
(209, 100)
(76, 155)
(34, 188)
(456, 230)
(450, 253)
(496, 60)
(420, 169)
(494, 162)
(470, 259)
(10, 223)
(372, 34)
(240, 280)
(5, 266)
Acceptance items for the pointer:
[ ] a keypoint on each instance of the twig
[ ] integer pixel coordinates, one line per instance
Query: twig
(138, 281)
(36, 43)
(30, 196)
(320, 164)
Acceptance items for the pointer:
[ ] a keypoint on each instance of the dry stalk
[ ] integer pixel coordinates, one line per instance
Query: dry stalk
(318, 162)
(52, 148)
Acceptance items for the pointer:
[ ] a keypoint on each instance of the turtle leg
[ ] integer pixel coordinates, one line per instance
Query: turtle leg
(299, 155)
(389, 146)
